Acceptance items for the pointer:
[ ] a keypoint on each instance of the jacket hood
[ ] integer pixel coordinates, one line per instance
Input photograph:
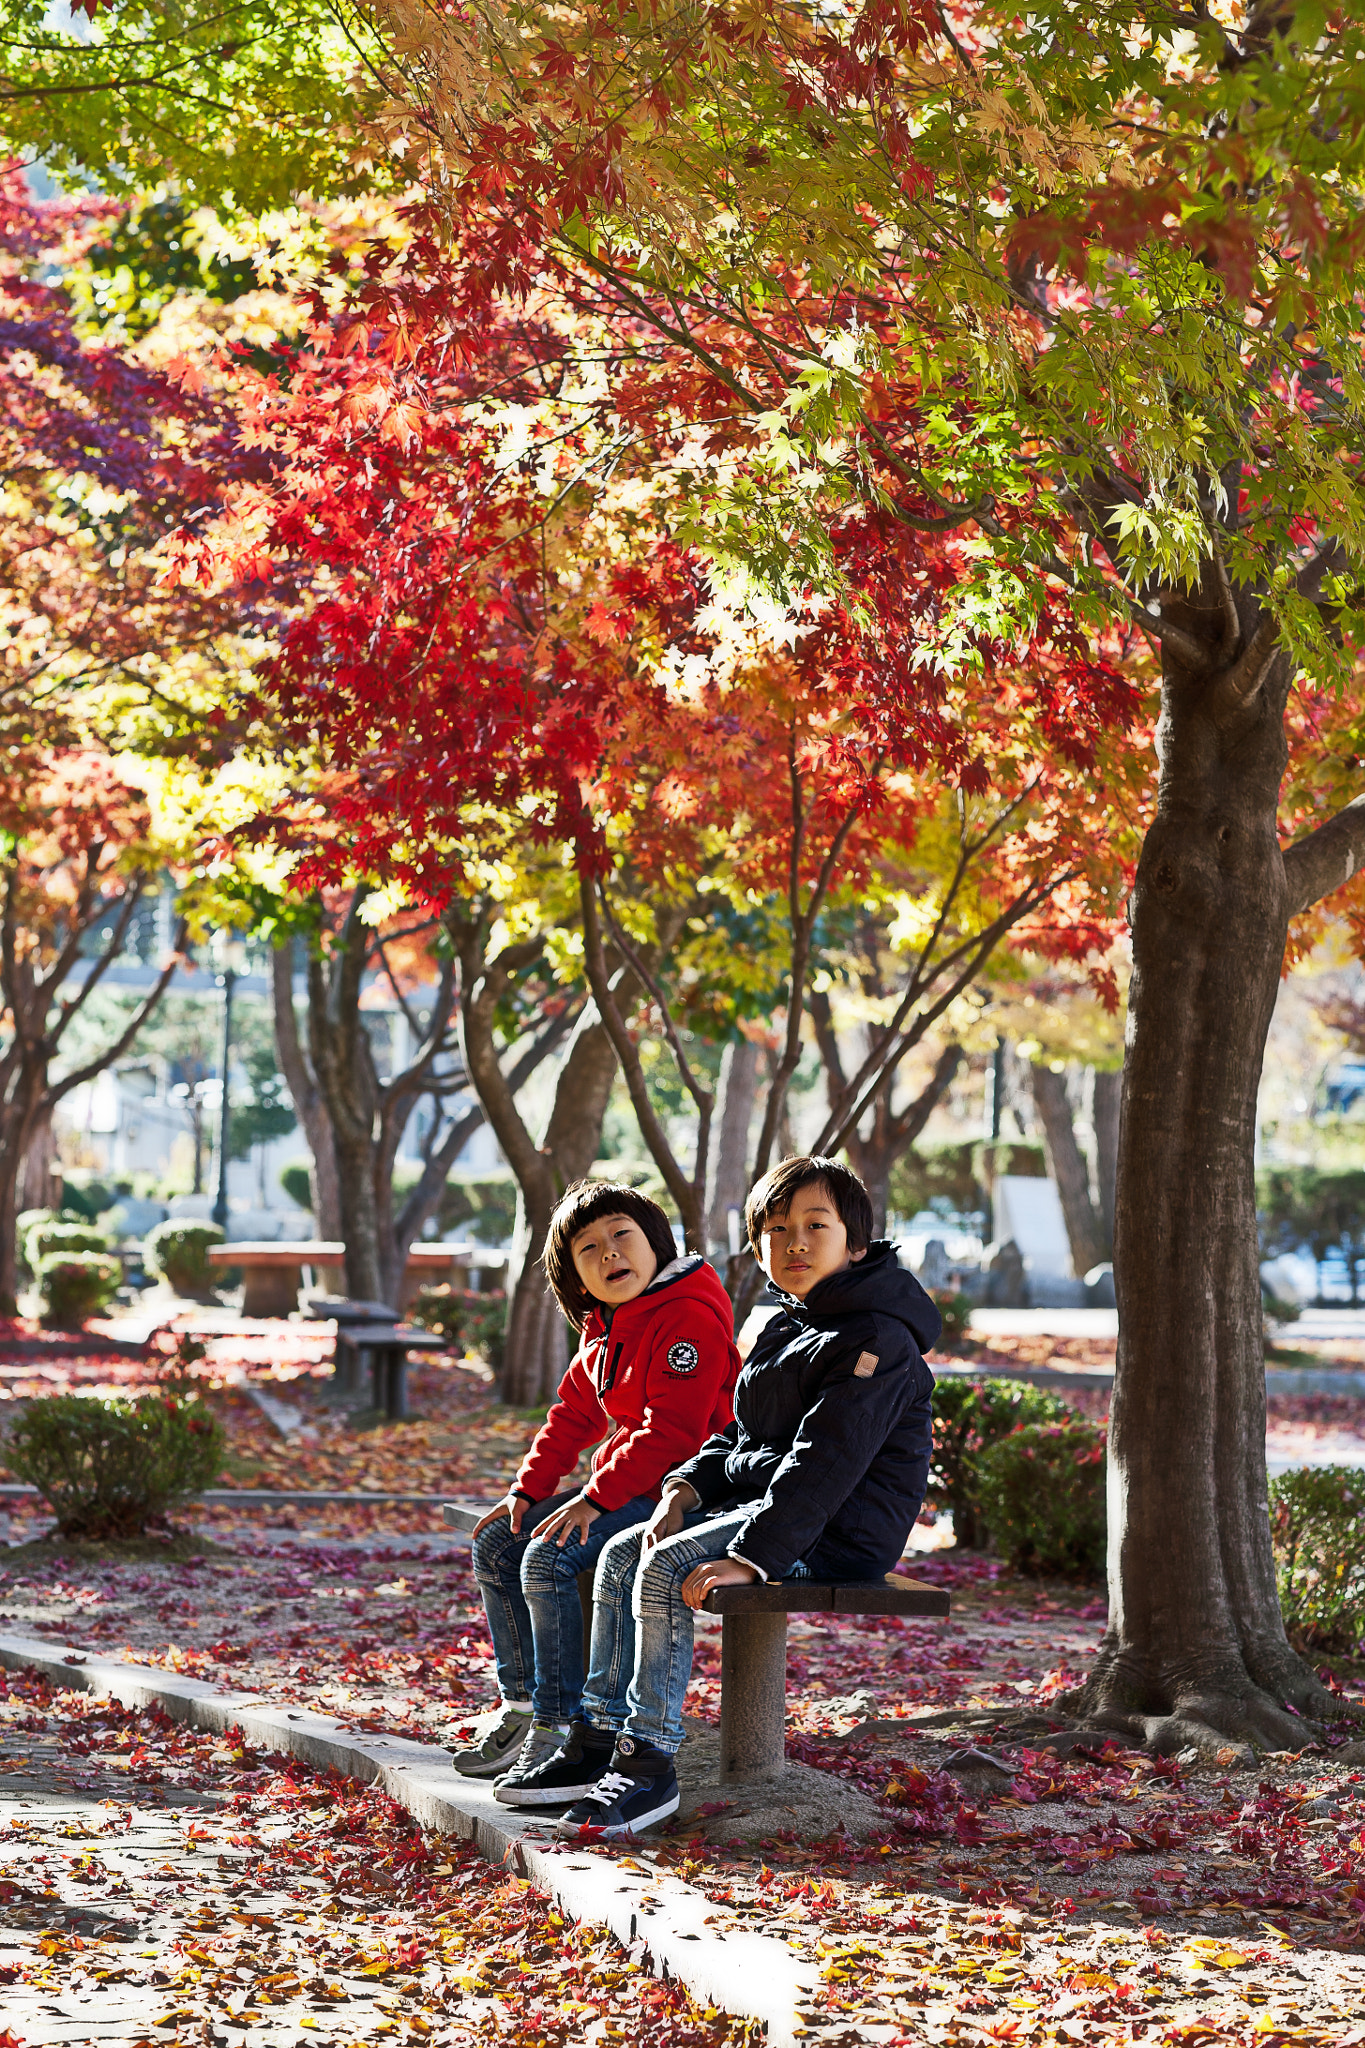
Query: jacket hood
(688, 1278)
(876, 1285)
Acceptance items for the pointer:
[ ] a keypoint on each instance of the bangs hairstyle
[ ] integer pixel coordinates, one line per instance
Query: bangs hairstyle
(772, 1197)
(584, 1203)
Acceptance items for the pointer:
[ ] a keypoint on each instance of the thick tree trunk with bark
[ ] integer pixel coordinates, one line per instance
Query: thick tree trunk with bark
(19, 1119)
(40, 1178)
(1084, 1230)
(736, 1096)
(537, 1335)
(1196, 1651)
(368, 1116)
(307, 1098)
(536, 1345)
(1104, 1115)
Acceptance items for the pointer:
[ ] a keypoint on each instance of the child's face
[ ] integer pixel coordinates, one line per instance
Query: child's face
(805, 1246)
(612, 1258)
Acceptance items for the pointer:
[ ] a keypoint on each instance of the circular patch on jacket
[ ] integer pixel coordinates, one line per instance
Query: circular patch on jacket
(683, 1358)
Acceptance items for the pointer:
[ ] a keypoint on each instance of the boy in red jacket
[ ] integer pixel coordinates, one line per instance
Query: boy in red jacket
(652, 1380)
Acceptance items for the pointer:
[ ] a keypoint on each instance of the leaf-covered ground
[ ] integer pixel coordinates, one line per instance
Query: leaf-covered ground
(160, 1884)
(1097, 1897)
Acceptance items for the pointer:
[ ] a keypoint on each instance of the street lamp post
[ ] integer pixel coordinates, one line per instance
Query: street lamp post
(229, 955)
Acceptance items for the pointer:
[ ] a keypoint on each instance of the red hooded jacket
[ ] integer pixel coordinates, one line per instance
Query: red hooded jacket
(659, 1380)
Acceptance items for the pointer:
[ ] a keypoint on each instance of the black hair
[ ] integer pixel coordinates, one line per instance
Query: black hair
(772, 1196)
(577, 1207)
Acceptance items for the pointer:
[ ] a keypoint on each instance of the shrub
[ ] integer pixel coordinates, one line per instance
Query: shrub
(1316, 1528)
(108, 1468)
(75, 1285)
(44, 1236)
(297, 1181)
(969, 1416)
(483, 1206)
(472, 1319)
(1042, 1494)
(178, 1250)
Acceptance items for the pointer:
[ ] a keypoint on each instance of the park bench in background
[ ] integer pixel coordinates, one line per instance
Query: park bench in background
(273, 1272)
(370, 1356)
(753, 1646)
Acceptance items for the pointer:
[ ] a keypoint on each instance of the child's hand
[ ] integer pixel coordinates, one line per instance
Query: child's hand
(667, 1518)
(574, 1519)
(514, 1507)
(717, 1571)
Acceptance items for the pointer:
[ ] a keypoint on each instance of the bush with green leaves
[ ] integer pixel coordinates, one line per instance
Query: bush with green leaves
(969, 1416)
(178, 1251)
(58, 1236)
(75, 1285)
(468, 1318)
(1042, 1495)
(108, 1468)
(1317, 1525)
(297, 1181)
(482, 1206)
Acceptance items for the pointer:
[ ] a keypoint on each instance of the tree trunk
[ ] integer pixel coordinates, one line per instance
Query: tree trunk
(1105, 1116)
(1069, 1169)
(537, 1335)
(306, 1096)
(1196, 1650)
(40, 1180)
(19, 1119)
(730, 1175)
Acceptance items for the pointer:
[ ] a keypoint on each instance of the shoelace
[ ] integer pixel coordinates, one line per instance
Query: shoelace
(609, 1788)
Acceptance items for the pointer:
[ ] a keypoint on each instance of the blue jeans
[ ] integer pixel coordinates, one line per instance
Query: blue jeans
(642, 1628)
(530, 1595)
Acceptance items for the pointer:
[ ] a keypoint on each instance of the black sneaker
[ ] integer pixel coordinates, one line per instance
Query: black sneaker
(564, 1775)
(639, 1790)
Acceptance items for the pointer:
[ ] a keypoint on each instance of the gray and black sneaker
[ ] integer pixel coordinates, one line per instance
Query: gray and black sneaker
(638, 1791)
(498, 1750)
(563, 1774)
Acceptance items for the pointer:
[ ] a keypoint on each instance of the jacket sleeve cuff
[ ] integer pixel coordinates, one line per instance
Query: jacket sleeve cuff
(750, 1563)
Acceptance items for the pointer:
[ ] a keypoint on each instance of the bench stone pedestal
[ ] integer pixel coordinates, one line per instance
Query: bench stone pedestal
(753, 1696)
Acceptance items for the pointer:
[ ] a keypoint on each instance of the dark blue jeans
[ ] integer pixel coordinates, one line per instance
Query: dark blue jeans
(530, 1595)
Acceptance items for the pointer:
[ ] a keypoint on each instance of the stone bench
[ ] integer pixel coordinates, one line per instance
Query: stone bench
(272, 1271)
(753, 1645)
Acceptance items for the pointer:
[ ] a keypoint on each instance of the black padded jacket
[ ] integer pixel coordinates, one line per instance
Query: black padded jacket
(833, 1426)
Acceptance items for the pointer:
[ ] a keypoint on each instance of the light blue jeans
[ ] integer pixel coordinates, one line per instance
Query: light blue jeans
(530, 1595)
(642, 1628)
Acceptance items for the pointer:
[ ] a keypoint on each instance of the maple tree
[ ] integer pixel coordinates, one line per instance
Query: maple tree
(1118, 259)
(508, 640)
(247, 105)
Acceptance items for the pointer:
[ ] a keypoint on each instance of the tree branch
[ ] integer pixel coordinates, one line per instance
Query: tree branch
(58, 1089)
(1327, 859)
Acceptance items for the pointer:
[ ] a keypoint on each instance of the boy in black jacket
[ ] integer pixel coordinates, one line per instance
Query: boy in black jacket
(821, 1474)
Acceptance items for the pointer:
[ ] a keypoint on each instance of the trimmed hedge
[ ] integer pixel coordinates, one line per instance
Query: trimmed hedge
(969, 1416)
(108, 1468)
(178, 1250)
(75, 1285)
(1317, 1528)
(1042, 1493)
(58, 1236)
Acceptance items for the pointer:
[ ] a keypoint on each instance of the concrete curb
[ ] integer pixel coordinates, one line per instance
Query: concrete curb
(684, 1935)
(267, 1496)
(1277, 1381)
